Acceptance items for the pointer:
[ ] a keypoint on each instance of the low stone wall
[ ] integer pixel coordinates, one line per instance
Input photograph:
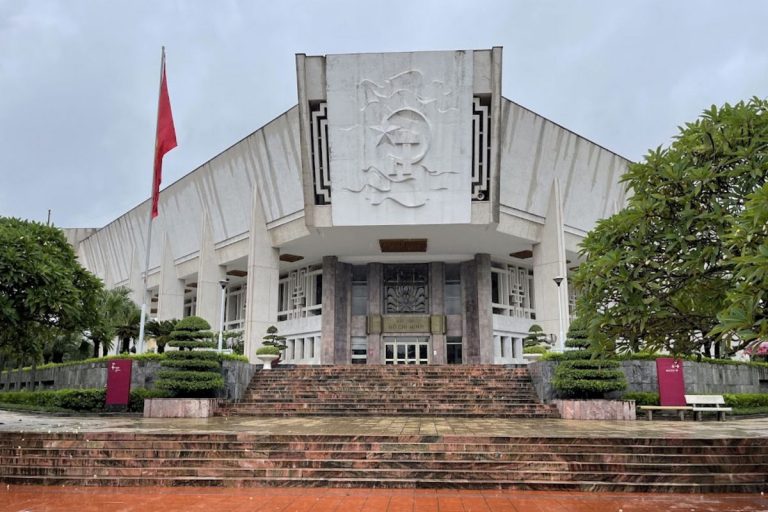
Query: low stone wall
(237, 375)
(621, 410)
(700, 378)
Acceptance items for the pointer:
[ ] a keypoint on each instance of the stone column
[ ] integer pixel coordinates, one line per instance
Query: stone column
(171, 290)
(485, 310)
(375, 308)
(337, 283)
(263, 280)
(478, 319)
(549, 262)
(437, 307)
(209, 274)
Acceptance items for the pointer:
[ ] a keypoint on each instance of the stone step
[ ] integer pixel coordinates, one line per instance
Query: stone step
(220, 459)
(16, 465)
(455, 483)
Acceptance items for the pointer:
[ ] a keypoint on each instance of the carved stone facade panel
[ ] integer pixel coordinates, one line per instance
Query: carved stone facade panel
(399, 128)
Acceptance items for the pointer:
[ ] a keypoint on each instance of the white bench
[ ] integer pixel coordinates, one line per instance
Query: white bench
(707, 403)
(680, 408)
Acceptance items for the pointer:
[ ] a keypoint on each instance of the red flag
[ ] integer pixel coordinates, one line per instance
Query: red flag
(165, 139)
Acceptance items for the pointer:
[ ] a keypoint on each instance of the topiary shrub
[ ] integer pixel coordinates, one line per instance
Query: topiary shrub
(191, 373)
(579, 375)
(190, 333)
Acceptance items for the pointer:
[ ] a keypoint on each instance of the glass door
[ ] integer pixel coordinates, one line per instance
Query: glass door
(406, 350)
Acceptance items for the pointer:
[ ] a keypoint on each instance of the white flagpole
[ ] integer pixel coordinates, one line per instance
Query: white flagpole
(140, 349)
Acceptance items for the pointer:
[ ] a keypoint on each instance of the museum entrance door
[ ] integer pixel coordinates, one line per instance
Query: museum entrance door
(406, 350)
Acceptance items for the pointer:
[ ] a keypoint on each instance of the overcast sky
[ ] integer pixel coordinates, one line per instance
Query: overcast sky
(79, 79)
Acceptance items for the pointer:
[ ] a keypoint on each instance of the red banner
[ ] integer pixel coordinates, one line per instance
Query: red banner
(671, 382)
(118, 381)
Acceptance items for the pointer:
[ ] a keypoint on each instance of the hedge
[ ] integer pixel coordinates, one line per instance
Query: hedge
(642, 397)
(588, 378)
(80, 400)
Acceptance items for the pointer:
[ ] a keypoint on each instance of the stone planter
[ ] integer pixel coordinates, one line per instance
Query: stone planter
(596, 409)
(267, 359)
(180, 407)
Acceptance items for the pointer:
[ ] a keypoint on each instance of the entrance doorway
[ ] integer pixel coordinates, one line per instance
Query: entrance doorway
(406, 350)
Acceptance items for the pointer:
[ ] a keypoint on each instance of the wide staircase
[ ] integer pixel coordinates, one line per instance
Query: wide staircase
(473, 462)
(357, 390)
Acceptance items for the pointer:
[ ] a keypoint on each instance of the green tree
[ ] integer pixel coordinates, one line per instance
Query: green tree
(536, 337)
(746, 313)
(585, 372)
(161, 330)
(190, 333)
(115, 311)
(657, 273)
(191, 373)
(44, 291)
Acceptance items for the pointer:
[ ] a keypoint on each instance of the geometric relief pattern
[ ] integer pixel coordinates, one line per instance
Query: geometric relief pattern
(481, 147)
(319, 146)
(406, 288)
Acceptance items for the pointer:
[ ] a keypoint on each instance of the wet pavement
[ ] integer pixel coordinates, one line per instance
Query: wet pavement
(81, 499)
(746, 428)
(84, 499)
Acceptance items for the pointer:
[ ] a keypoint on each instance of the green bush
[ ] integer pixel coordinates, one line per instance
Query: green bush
(642, 397)
(190, 333)
(190, 373)
(746, 400)
(588, 378)
(82, 400)
(268, 350)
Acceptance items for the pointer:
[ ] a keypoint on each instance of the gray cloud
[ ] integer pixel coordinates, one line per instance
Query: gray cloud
(78, 79)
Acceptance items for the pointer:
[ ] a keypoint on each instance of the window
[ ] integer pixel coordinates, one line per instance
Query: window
(512, 291)
(300, 293)
(359, 290)
(453, 289)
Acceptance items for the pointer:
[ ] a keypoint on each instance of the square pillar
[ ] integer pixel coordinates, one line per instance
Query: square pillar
(337, 290)
(437, 307)
(374, 308)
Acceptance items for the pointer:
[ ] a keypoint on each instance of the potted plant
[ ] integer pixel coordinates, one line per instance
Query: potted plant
(268, 355)
(583, 378)
(191, 374)
(272, 347)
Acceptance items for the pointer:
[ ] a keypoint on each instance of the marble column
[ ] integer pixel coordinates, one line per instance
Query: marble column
(375, 308)
(337, 287)
(437, 307)
(478, 318)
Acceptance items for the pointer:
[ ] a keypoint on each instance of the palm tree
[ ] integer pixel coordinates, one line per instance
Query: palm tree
(161, 330)
(115, 310)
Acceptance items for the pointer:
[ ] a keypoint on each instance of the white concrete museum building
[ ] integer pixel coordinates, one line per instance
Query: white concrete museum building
(403, 212)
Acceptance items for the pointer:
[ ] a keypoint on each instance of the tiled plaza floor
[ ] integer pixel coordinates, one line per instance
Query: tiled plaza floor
(747, 428)
(80, 499)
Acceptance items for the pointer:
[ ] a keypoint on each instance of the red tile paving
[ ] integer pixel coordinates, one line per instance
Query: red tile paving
(191, 499)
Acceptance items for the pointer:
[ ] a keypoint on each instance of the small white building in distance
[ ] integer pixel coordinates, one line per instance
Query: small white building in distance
(404, 212)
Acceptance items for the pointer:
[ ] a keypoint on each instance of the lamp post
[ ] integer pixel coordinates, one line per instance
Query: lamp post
(223, 283)
(560, 346)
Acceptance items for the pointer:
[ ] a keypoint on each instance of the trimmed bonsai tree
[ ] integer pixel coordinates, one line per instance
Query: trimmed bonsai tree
(536, 337)
(191, 373)
(584, 373)
(190, 333)
(272, 339)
